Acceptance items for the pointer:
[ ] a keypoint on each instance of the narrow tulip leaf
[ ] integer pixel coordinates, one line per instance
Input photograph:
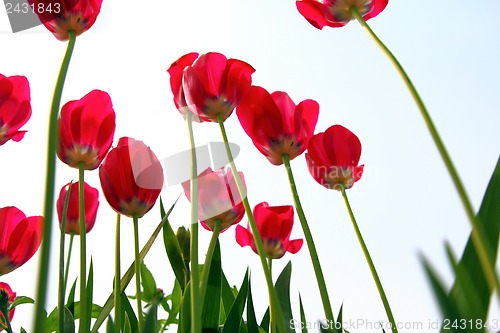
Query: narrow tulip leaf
(469, 266)
(151, 321)
(127, 277)
(174, 252)
(148, 283)
(128, 312)
(90, 292)
(211, 308)
(266, 319)
(227, 298)
(252, 325)
(110, 326)
(283, 291)
(303, 320)
(23, 330)
(70, 303)
(21, 300)
(185, 313)
(447, 307)
(234, 318)
(69, 321)
(127, 327)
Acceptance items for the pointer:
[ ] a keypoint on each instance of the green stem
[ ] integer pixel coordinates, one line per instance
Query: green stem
(208, 259)
(310, 242)
(272, 323)
(274, 306)
(62, 285)
(479, 239)
(370, 262)
(39, 324)
(137, 272)
(68, 260)
(84, 320)
(118, 292)
(195, 295)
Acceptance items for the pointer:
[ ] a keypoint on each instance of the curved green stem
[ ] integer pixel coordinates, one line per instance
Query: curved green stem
(62, 284)
(480, 241)
(310, 242)
(196, 305)
(68, 260)
(137, 272)
(274, 306)
(370, 262)
(84, 319)
(39, 324)
(208, 259)
(118, 292)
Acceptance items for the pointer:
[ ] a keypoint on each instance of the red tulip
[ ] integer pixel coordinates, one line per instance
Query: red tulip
(336, 13)
(176, 72)
(20, 237)
(214, 85)
(275, 124)
(62, 16)
(15, 107)
(11, 297)
(275, 225)
(131, 178)
(218, 198)
(86, 129)
(91, 196)
(333, 157)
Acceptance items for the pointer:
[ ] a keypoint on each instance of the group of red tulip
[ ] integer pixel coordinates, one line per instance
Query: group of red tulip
(211, 87)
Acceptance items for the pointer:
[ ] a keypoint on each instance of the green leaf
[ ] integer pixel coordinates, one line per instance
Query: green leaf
(148, 283)
(110, 326)
(21, 300)
(448, 308)
(283, 291)
(234, 318)
(129, 313)
(474, 302)
(302, 316)
(175, 299)
(211, 308)
(151, 321)
(23, 330)
(70, 304)
(252, 325)
(174, 251)
(127, 327)
(90, 292)
(266, 319)
(227, 298)
(127, 277)
(69, 321)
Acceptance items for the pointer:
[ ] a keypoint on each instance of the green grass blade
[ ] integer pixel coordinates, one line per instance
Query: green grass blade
(211, 308)
(234, 318)
(283, 291)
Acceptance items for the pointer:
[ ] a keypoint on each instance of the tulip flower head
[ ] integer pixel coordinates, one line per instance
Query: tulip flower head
(15, 107)
(62, 16)
(7, 296)
(214, 85)
(20, 237)
(86, 130)
(275, 226)
(91, 196)
(333, 156)
(218, 198)
(337, 13)
(275, 124)
(176, 72)
(131, 178)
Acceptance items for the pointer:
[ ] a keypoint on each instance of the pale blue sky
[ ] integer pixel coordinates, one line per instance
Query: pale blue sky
(405, 202)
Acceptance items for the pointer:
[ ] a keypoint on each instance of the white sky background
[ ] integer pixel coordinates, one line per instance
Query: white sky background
(405, 203)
